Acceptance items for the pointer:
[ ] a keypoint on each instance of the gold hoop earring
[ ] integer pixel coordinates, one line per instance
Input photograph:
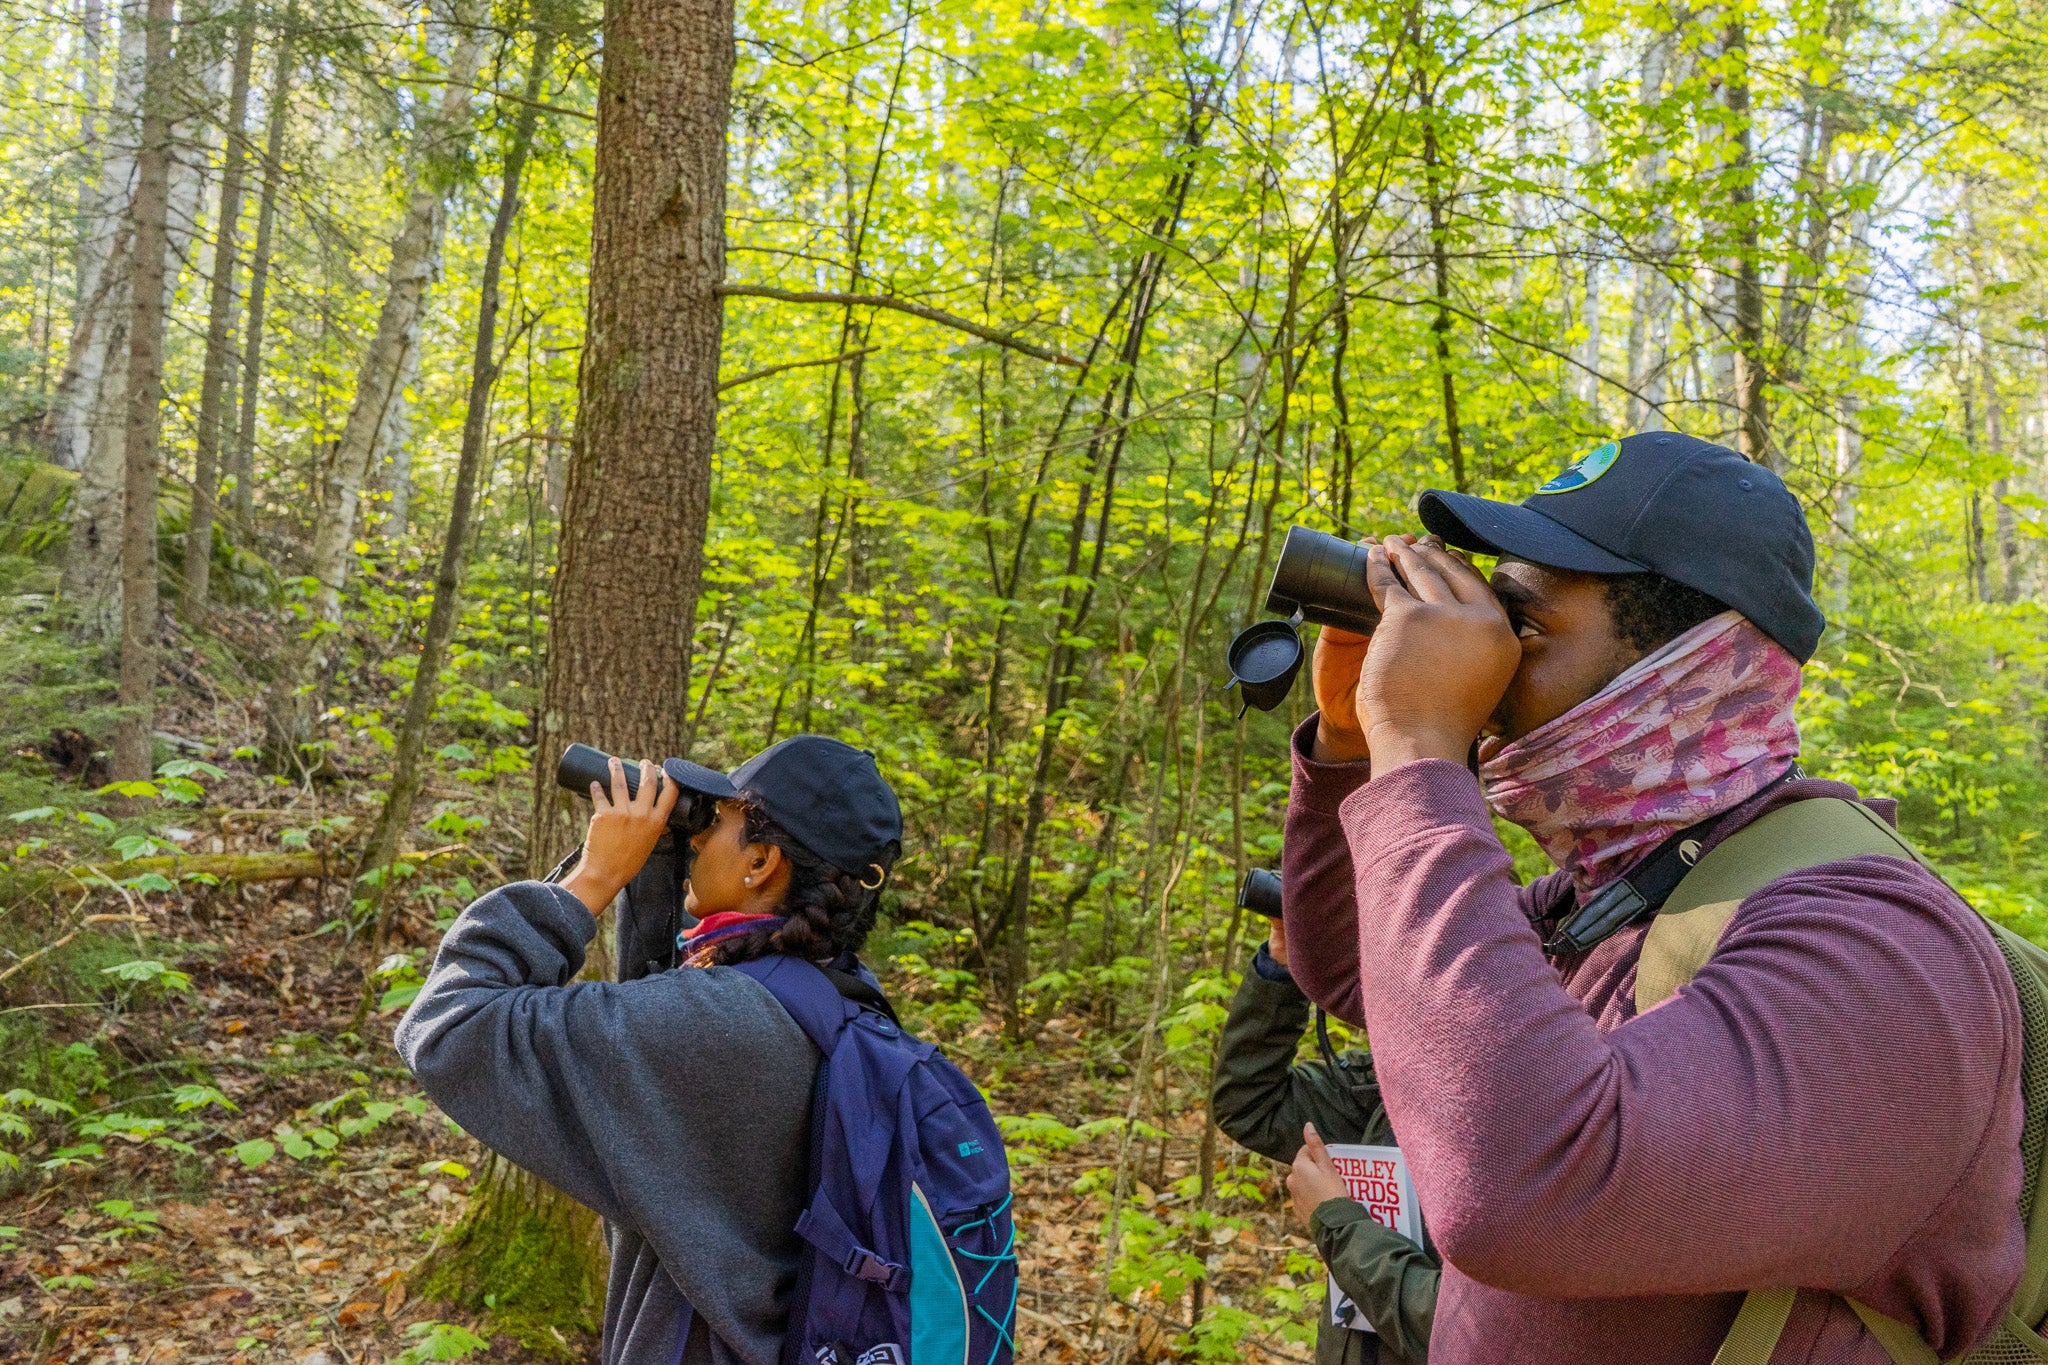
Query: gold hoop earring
(881, 875)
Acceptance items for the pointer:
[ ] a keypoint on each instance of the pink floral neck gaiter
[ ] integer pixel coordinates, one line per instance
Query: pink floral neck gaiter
(1688, 731)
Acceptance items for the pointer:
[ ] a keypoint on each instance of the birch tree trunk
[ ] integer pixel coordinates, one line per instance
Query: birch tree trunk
(99, 323)
(392, 462)
(131, 757)
(415, 254)
(1752, 427)
(93, 565)
(279, 101)
(91, 35)
(215, 401)
(1649, 329)
(483, 373)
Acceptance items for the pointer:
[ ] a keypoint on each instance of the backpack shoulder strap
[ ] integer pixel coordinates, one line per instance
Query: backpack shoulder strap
(1789, 839)
(802, 988)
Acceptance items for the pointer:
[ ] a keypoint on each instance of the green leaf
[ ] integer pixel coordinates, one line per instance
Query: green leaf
(22, 817)
(254, 1152)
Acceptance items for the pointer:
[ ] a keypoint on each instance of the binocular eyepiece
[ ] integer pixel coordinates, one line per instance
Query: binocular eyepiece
(1260, 893)
(1318, 577)
(582, 765)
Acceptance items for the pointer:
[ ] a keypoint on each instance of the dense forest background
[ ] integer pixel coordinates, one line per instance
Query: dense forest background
(1041, 325)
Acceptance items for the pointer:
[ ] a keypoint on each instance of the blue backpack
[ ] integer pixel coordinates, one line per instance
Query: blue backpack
(910, 1256)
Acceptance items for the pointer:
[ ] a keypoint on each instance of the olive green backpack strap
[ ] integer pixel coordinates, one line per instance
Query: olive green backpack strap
(1684, 935)
(1789, 839)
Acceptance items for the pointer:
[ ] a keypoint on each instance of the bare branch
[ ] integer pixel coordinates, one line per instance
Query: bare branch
(751, 375)
(918, 310)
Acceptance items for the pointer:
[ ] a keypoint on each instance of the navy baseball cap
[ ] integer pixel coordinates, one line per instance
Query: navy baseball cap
(1664, 503)
(829, 795)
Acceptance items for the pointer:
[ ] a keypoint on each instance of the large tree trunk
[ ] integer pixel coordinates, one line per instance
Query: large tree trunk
(215, 402)
(131, 759)
(483, 373)
(639, 489)
(639, 486)
(415, 255)
(279, 103)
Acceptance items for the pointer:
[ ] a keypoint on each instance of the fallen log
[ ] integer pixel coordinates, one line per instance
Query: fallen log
(240, 868)
(237, 868)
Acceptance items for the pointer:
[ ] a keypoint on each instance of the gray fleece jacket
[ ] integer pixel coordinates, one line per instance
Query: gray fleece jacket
(677, 1106)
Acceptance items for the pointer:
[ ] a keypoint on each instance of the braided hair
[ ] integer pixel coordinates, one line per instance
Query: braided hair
(826, 911)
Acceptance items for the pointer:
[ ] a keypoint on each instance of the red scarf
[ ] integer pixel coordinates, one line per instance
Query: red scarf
(698, 942)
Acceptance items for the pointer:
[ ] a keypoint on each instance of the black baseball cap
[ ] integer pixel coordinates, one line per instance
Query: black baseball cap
(1664, 503)
(828, 794)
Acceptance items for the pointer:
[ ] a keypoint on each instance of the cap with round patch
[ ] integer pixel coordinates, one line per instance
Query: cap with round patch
(1659, 502)
(1585, 469)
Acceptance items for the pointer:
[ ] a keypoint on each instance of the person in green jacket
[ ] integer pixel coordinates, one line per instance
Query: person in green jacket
(1286, 1110)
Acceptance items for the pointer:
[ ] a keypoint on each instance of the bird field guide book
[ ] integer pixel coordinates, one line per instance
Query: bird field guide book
(1376, 1177)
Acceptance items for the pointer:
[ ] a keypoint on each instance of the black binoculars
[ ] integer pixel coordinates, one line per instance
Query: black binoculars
(1320, 578)
(1260, 893)
(582, 765)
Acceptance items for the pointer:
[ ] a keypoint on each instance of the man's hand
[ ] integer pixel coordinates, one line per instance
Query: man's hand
(1313, 1180)
(1276, 940)
(1445, 653)
(1334, 670)
(622, 834)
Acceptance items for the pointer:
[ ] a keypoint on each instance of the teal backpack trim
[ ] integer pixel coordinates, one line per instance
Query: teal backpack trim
(938, 1300)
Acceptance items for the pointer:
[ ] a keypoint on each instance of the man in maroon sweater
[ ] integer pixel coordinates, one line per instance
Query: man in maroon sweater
(1832, 1103)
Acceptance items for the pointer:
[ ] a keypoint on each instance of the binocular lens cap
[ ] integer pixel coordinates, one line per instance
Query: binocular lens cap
(1263, 660)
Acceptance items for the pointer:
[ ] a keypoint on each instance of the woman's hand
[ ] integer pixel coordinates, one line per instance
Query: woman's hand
(622, 834)
(1339, 657)
(1276, 940)
(1446, 652)
(1313, 1179)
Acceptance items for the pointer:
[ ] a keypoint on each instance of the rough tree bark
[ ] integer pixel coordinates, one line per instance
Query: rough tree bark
(278, 102)
(639, 485)
(215, 402)
(415, 254)
(131, 757)
(632, 537)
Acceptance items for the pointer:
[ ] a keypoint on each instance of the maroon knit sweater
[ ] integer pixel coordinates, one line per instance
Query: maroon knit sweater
(1833, 1102)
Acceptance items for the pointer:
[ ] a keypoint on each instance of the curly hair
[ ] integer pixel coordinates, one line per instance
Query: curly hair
(1650, 610)
(826, 911)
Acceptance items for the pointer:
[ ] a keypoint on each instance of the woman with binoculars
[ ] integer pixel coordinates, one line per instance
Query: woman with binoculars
(687, 1105)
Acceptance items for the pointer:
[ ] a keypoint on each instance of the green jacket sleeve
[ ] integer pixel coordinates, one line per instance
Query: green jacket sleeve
(1392, 1280)
(1262, 1096)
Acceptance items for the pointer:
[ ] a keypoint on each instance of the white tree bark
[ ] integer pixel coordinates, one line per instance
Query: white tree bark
(97, 435)
(102, 305)
(393, 460)
(1848, 426)
(1650, 307)
(415, 256)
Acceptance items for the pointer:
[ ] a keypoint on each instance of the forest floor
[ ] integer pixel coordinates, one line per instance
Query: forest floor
(140, 1253)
